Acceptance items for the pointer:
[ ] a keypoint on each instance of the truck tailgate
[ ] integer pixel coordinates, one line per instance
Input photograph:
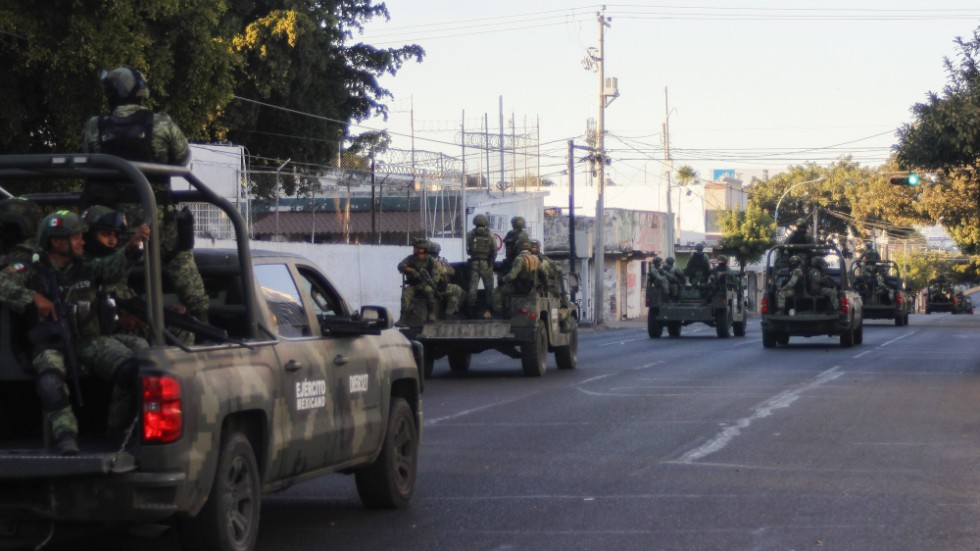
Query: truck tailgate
(467, 329)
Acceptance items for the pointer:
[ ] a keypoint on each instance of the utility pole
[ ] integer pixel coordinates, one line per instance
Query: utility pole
(600, 159)
(668, 168)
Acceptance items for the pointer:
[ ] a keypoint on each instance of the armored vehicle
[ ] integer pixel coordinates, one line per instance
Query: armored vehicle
(879, 283)
(810, 306)
(939, 295)
(286, 382)
(531, 327)
(718, 304)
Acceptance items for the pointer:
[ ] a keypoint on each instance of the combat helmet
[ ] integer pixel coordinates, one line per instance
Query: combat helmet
(670, 261)
(534, 244)
(124, 85)
(434, 248)
(517, 222)
(657, 261)
(102, 217)
(795, 260)
(20, 214)
(699, 247)
(818, 262)
(63, 223)
(481, 220)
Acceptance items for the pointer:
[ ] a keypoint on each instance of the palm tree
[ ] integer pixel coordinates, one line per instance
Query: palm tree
(686, 175)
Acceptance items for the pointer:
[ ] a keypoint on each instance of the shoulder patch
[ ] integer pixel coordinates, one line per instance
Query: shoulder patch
(17, 267)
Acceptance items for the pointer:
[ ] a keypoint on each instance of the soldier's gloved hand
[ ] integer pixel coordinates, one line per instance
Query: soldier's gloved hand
(45, 308)
(140, 235)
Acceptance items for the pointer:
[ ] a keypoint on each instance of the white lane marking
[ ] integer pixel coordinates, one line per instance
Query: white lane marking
(463, 413)
(749, 342)
(898, 338)
(624, 341)
(779, 401)
(861, 354)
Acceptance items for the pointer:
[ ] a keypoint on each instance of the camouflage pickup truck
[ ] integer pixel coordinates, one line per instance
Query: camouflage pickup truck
(879, 282)
(718, 304)
(283, 384)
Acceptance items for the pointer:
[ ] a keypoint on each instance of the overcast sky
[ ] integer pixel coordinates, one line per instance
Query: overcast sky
(766, 84)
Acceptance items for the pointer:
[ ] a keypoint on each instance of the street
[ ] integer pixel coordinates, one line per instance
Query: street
(689, 443)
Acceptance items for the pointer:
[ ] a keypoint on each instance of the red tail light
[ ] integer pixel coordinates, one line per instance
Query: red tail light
(163, 417)
(844, 305)
(524, 310)
(899, 299)
(764, 306)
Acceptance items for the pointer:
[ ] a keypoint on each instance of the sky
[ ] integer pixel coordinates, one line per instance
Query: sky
(749, 85)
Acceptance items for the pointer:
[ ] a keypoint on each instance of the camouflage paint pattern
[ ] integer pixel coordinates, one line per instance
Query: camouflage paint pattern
(169, 144)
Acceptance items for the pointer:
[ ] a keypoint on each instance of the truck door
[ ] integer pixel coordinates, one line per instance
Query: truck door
(355, 364)
(305, 417)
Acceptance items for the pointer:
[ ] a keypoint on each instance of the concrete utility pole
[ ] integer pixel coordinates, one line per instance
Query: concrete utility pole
(600, 159)
(668, 168)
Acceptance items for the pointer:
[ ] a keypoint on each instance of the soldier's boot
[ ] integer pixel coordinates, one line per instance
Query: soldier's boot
(433, 308)
(57, 411)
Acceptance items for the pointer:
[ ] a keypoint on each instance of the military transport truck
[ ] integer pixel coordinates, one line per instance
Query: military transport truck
(879, 282)
(939, 295)
(285, 383)
(719, 306)
(807, 308)
(532, 326)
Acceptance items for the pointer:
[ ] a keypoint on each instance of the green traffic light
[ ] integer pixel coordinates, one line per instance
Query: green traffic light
(913, 179)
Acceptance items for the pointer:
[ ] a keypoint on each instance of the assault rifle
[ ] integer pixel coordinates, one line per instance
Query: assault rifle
(56, 334)
(137, 307)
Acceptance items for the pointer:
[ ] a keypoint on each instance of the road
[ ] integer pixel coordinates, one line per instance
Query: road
(691, 444)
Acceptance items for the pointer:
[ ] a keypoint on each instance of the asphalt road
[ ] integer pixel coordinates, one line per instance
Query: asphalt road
(695, 443)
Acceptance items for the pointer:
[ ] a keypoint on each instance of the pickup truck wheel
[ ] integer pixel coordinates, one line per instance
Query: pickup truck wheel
(738, 328)
(388, 483)
(782, 339)
(898, 320)
(847, 338)
(229, 520)
(534, 355)
(768, 339)
(723, 323)
(567, 356)
(428, 362)
(655, 327)
(859, 334)
(905, 320)
(459, 361)
(674, 329)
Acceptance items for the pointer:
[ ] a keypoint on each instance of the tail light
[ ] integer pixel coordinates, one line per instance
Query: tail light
(844, 305)
(163, 416)
(899, 299)
(524, 310)
(764, 306)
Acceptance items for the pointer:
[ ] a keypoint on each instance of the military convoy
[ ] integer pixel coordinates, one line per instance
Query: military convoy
(718, 304)
(940, 295)
(531, 326)
(879, 283)
(286, 383)
(809, 292)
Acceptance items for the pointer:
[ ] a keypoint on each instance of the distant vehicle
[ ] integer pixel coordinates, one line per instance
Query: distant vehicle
(939, 295)
(879, 283)
(285, 383)
(807, 314)
(962, 304)
(719, 306)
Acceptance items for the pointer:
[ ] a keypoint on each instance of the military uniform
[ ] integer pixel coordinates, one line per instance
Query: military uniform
(520, 280)
(657, 281)
(413, 267)
(819, 284)
(723, 277)
(675, 278)
(698, 266)
(136, 133)
(444, 272)
(76, 285)
(513, 240)
(481, 247)
(788, 289)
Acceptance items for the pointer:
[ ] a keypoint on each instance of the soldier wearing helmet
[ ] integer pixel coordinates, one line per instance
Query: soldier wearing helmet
(723, 277)
(134, 132)
(513, 240)
(698, 266)
(19, 218)
(481, 247)
(793, 285)
(799, 235)
(419, 269)
(656, 280)
(675, 278)
(819, 284)
(522, 279)
(444, 272)
(60, 276)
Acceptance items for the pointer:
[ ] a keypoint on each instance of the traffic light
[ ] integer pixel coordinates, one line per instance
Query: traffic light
(911, 180)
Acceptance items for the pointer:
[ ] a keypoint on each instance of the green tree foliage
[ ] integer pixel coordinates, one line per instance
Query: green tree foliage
(747, 234)
(944, 138)
(686, 175)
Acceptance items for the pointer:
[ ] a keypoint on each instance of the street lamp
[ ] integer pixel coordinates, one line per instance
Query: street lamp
(791, 188)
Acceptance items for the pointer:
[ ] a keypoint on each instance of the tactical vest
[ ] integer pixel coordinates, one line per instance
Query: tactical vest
(531, 265)
(482, 244)
(128, 137)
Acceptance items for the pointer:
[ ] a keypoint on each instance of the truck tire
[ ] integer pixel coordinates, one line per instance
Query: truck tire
(768, 339)
(847, 338)
(674, 329)
(389, 482)
(859, 334)
(738, 328)
(428, 363)
(567, 356)
(229, 521)
(459, 361)
(723, 323)
(782, 339)
(655, 327)
(534, 354)
(898, 320)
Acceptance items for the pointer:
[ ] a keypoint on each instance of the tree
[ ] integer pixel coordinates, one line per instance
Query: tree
(686, 175)
(944, 137)
(747, 234)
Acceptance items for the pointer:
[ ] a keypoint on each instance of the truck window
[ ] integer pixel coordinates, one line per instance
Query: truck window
(325, 301)
(281, 295)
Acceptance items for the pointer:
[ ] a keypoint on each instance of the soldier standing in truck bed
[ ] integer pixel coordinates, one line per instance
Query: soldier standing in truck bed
(513, 240)
(481, 247)
(443, 275)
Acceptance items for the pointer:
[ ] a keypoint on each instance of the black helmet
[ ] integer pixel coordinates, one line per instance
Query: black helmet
(517, 222)
(124, 85)
(481, 220)
(699, 247)
(818, 262)
(658, 261)
(795, 259)
(20, 215)
(434, 248)
(101, 217)
(59, 224)
(670, 260)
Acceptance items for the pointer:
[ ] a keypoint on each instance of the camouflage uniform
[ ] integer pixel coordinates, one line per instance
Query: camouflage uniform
(656, 280)
(513, 240)
(789, 288)
(134, 132)
(722, 277)
(76, 285)
(675, 278)
(550, 275)
(19, 218)
(443, 275)
(481, 247)
(698, 266)
(520, 280)
(413, 267)
(819, 284)
(799, 236)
